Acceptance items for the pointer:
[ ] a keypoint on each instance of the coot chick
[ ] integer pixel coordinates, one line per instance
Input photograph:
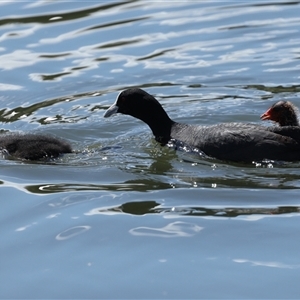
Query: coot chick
(226, 141)
(33, 146)
(282, 112)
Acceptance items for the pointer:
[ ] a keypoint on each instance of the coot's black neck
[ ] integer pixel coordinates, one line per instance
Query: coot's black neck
(290, 121)
(159, 122)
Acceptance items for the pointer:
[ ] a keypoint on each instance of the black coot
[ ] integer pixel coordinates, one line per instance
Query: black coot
(225, 141)
(282, 112)
(33, 146)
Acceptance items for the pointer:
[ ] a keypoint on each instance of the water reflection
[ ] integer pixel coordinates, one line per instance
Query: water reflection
(21, 112)
(275, 89)
(63, 16)
(172, 230)
(268, 264)
(142, 186)
(153, 207)
(71, 232)
(156, 172)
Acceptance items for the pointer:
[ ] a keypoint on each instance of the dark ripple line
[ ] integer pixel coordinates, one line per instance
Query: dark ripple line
(153, 207)
(116, 23)
(64, 16)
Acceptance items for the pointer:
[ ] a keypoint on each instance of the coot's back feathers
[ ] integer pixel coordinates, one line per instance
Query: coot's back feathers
(226, 141)
(239, 142)
(33, 146)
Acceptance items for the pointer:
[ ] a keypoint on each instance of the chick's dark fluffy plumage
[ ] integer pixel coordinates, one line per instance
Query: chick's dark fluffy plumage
(33, 146)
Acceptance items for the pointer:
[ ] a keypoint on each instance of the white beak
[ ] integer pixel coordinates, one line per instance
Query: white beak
(111, 111)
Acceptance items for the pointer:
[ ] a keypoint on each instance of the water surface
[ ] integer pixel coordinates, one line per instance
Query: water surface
(123, 217)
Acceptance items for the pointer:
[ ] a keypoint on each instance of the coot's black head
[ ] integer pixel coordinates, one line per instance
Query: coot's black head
(139, 104)
(135, 102)
(282, 112)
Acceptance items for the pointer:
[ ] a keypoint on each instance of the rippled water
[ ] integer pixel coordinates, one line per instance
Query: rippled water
(123, 217)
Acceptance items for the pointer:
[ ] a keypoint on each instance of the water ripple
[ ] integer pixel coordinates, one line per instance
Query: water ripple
(175, 229)
(71, 232)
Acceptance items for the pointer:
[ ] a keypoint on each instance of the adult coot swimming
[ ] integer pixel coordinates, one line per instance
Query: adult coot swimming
(225, 141)
(33, 146)
(282, 112)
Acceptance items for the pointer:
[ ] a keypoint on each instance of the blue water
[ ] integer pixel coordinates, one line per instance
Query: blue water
(124, 217)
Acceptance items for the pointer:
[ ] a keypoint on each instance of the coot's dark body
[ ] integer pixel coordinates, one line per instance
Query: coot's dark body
(33, 146)
(239, 142)
(226, 141)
